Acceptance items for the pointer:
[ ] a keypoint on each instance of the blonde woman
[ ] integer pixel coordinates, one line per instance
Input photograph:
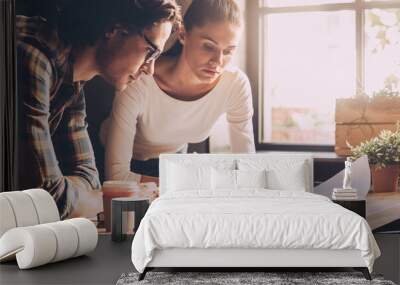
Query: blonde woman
(191, 88)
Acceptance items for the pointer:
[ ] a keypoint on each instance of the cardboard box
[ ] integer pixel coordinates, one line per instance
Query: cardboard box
(361, 118)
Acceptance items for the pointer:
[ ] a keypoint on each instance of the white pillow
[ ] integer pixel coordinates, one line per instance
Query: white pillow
(294, 180)
(223, 179)
(181, 177)
(282, 174)
(251, 178)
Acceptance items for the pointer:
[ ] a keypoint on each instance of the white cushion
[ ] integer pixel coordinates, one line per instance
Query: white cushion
(294, 181)
(282, 174)
(7, 218)
(45, 205)
(285, 165)
(26, 208)
(181, 177)
(169, 174)
(66, 237)
(23, 208)
(40, 244)
(223, 179)
(201, 160)
(87, 235)
(31, 246)
(251, 178)
(34, 244)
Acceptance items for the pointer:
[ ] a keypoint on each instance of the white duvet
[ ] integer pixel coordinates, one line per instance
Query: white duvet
(250, 219)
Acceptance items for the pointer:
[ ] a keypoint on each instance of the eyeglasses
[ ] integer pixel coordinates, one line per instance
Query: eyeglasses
(153, 53)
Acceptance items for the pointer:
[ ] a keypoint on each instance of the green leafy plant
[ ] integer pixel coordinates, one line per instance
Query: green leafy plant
(381, 150)
(388, 91)
(391, 89)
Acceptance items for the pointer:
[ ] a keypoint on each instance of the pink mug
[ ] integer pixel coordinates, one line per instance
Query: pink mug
(114, 189)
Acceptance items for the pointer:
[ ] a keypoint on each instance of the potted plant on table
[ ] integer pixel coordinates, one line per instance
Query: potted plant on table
(383, 153)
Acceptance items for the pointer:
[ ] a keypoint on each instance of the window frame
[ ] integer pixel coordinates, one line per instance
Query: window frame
(255, 46)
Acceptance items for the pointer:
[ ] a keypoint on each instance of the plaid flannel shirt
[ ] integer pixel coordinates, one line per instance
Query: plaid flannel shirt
(54, 149)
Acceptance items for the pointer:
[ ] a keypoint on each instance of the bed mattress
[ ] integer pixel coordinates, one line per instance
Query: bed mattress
(250, 219)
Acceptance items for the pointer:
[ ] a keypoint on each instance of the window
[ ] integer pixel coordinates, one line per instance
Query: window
(314, 51)
(382, 48)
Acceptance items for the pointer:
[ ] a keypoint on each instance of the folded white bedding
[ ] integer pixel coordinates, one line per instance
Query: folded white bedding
(252, 218)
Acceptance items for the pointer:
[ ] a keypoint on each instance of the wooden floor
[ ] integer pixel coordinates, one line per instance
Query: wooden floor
(382, 208)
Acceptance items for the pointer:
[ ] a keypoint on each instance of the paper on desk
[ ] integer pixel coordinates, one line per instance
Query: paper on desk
(360, 180)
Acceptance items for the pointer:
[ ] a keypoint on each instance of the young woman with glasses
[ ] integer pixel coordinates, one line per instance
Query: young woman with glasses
(193, 85)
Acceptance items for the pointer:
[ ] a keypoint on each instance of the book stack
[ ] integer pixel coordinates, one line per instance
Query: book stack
(344, 194)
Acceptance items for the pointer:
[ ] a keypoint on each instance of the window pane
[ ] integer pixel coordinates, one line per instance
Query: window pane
(291, 3)
(382, 49)
(309, 61)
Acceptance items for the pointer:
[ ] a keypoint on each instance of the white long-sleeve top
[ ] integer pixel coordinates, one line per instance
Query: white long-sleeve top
(145, 121)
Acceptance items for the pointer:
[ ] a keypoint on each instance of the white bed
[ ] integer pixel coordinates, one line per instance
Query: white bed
(194, 224)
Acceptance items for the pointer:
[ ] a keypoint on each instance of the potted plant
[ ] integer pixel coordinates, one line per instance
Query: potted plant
(383, 153)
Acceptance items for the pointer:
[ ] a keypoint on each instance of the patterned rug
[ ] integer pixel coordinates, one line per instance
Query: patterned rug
(243, 278)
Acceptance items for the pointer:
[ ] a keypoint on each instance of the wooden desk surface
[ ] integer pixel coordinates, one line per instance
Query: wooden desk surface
(382, 208)
(102, 266)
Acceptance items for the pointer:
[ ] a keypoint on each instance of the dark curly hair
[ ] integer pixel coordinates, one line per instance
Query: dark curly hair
(83, 22)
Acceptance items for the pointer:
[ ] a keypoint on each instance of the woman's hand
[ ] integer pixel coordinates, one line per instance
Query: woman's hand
(145, 179)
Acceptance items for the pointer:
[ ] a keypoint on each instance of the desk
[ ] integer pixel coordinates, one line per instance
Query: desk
(357, 206)
(102, 266)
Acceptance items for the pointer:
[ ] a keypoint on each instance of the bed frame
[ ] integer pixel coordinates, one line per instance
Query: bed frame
(249, 258)
(245, 259)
